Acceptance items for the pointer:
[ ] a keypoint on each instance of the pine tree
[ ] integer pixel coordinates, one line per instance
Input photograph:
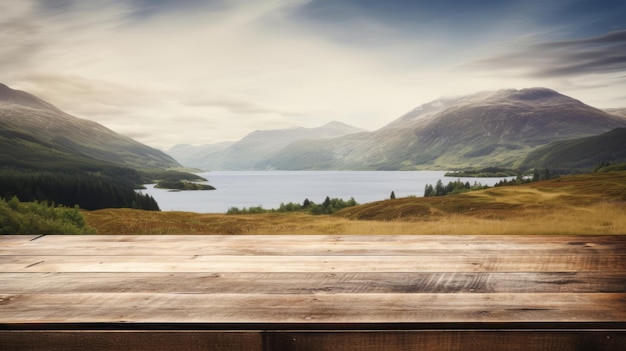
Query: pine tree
(326, 203)
(439, 188)
(429, 190)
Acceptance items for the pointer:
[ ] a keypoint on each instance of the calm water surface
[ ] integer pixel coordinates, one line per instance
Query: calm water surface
(270, 188)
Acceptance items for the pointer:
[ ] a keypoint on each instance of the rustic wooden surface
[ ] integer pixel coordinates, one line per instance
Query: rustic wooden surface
(313, 292)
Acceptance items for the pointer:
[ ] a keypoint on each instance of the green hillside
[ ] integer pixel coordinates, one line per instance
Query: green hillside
(581, 153)
(77, 137)
(48, 155)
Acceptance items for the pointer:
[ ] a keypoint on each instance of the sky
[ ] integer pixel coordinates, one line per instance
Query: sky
(205, 71)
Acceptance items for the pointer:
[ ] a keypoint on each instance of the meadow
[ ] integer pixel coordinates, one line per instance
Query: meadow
(579, 204)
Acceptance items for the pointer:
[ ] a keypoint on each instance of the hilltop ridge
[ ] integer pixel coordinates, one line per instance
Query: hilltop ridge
(486, 129)
(20, 98)
(51, 156)
(252, 150)
(26, 119)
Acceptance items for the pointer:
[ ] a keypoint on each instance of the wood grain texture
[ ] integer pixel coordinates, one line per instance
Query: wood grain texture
(312, 245)
(466, 262)
(312, 283)
(312, 308)
(429, 285)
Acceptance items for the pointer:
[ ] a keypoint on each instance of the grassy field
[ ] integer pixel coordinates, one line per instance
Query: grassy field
(581, 204)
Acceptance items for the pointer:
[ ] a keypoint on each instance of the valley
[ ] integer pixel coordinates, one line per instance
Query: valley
(49, 155)
(581, 204)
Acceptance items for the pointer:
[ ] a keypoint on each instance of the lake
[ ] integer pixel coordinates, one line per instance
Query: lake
(271, 188)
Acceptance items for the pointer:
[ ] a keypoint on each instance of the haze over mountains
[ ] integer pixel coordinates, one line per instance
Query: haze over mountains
(497, 128)
(250, 151)
(617, 111)
(48, 155)
(34, 132)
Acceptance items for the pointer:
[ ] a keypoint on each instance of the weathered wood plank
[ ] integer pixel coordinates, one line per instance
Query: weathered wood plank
(462, 262)
(10, 240)
(448, 340)
(312, 283)
(315, 308)
(441, 340)
(390, 341)
(535, 287)
(295, 239)
(310, 245)
(130, 340)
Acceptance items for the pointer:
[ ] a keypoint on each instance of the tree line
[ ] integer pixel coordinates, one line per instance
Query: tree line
(89, 190)
(457, 186)
(538, 174)
(454, 187)
(329, 206)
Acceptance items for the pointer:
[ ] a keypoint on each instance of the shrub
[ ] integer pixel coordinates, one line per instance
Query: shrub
(40, 218)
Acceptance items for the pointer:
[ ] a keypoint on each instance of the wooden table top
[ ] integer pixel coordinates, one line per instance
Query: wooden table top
(326, 281)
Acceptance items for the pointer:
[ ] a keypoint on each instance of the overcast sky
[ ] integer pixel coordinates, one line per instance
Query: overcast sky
(204, 71)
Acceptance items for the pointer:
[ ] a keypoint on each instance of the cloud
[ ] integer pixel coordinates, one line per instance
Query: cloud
(597, 55)
(195, 71)
(235, 105)
(100, 99)
(19, 37)
(47, 38)
(603, 54)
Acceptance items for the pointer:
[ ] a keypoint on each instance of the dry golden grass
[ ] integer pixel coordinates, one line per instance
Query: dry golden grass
(585, 204)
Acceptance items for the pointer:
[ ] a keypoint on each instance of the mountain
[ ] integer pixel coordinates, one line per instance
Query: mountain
(582, 153)
(37, 131)
(617, 111)
(481, 130)
(49, 155)
(198, 156)
(252, 151)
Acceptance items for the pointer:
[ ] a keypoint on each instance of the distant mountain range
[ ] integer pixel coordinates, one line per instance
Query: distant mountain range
(33, 133)
(534, 127)
(252, 151)
(497, 128)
